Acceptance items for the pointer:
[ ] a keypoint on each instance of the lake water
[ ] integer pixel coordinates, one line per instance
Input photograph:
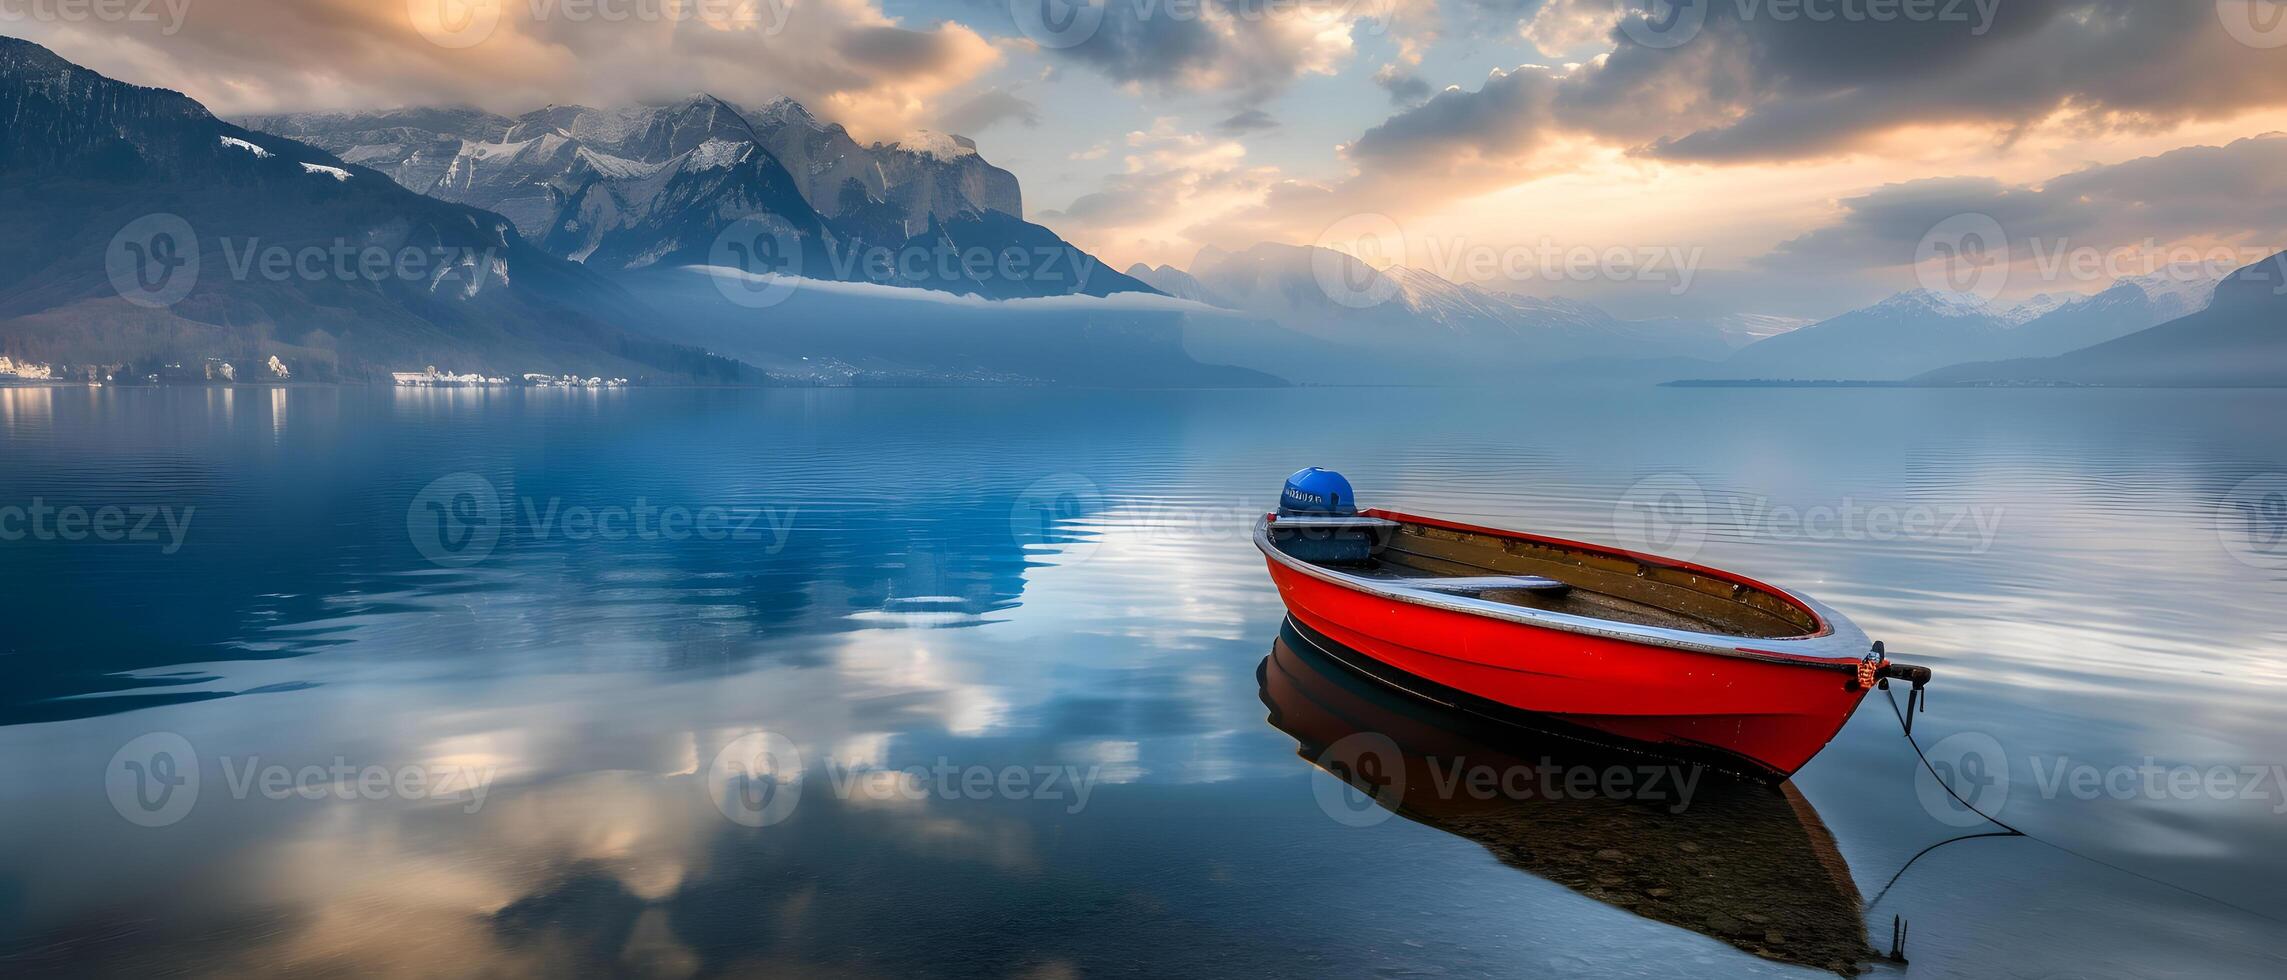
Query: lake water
(1006, 649)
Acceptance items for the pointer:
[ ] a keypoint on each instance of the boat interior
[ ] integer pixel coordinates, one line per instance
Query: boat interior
(1534, 574)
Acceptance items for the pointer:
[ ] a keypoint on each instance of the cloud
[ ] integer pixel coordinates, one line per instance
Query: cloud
(1164, 147)
(1286, 211)
(2234, 194)
(988, 108)
(1248, 121)
(893, 50)
(1125, 199)
(1458, 131)
(1405, 87)
(1558, 26)
(1745, 83)
(1243, 50)
(1175, 193)
(845, 59)
(1760, 88)
(1128, 302)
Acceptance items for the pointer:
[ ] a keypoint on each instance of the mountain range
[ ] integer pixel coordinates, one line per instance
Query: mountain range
(146, 235)
(2239, 339)
(627, 188)
(1416, 325)
(1411, 325)
(1923, 330)
(509, 164)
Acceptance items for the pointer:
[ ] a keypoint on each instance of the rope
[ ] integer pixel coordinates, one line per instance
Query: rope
(1941, 780)
(2009, 831)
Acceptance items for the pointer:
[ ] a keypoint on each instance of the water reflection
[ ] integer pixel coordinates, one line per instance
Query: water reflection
(924, 606)
(808, 520)
(26, 410)
(1739, 861)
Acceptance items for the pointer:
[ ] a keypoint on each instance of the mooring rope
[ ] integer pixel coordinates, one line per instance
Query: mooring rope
(2010, 831)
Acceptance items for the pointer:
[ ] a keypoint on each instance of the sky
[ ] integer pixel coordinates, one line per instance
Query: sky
(1791, 157)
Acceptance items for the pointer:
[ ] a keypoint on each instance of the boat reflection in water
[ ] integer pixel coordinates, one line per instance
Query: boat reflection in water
(1740, 861)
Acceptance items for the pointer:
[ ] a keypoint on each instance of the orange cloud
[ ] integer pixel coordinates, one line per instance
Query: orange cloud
(845, 58)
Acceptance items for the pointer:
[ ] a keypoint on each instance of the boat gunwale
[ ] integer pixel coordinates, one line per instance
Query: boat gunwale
(1838, 644)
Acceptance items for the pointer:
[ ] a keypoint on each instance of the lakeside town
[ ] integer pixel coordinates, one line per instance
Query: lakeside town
(433, 378)
(213, 371)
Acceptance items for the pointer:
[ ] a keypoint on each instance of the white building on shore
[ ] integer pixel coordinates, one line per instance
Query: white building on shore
(25, 370)
(433, 378)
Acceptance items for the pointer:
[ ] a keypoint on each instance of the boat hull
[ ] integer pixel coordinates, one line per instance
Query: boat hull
(1765, 710)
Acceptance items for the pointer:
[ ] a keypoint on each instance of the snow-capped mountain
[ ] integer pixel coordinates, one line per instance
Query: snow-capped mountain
(113, 192)
(632, 187)
(467, 154)
(923, 175)
(614, 189)
(1922, 330)
(109, 186)
(2182, 290)
(2033, 308)
(1738, 329)
(2230, 337)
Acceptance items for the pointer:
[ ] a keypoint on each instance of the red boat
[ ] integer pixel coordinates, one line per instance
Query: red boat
(1652, 651)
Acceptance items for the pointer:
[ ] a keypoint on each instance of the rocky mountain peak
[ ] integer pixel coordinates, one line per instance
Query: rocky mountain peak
(1932, 302)
(783, 111)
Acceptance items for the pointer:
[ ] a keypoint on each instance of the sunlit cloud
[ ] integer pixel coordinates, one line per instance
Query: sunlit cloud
(845, 59)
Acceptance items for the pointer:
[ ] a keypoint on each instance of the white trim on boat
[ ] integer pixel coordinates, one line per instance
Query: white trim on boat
(1841, 647)
(1314, 522)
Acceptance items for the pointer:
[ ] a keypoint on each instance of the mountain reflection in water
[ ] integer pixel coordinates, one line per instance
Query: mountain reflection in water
(1743, 862)
(1057, 578)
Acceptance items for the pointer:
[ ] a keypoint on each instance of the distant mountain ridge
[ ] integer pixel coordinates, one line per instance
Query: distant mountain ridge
(2237, 339)
(1921, 330)
(1177, 283)
(1417, 314)
(1739, 329)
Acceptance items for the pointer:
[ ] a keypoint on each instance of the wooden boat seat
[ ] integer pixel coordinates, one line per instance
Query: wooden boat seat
(1489, 583)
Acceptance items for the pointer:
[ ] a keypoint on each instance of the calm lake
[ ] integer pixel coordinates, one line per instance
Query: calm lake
(445, 682)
